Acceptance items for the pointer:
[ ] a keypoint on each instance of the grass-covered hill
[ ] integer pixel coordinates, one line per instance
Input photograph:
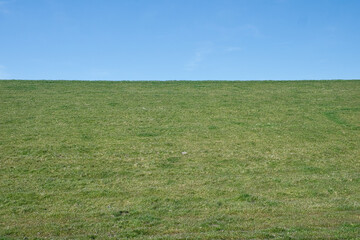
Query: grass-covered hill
(180, 160)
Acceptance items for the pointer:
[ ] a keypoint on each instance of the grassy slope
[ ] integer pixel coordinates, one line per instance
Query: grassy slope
(104, 159)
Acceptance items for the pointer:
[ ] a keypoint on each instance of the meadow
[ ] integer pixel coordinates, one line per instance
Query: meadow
(180, 160)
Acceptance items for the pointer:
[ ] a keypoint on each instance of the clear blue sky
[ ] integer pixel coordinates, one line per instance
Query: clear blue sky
(179, 39)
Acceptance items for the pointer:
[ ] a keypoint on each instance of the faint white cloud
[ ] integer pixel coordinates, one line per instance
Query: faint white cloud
(3, 73)
(99, 74)
(3, 7)
(331, 29)
(195, 61)
(245, 30)
(250, 29)
(233, 49)
(199, 55)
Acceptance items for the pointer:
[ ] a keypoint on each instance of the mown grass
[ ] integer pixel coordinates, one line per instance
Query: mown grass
(176, 160)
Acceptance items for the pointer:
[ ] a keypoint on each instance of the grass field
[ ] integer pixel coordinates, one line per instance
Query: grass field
(177, 160)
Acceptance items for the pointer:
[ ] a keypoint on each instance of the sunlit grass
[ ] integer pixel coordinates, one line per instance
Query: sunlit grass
(176, 160)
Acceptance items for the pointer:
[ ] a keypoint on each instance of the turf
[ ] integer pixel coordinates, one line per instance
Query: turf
(177, 160)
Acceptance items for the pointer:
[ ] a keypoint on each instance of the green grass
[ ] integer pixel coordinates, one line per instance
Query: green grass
(106, 160)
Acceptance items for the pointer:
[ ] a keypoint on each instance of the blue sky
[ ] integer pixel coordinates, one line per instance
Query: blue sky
(179, 39)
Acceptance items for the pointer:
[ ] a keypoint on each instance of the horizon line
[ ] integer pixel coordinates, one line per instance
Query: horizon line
(183, 80)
